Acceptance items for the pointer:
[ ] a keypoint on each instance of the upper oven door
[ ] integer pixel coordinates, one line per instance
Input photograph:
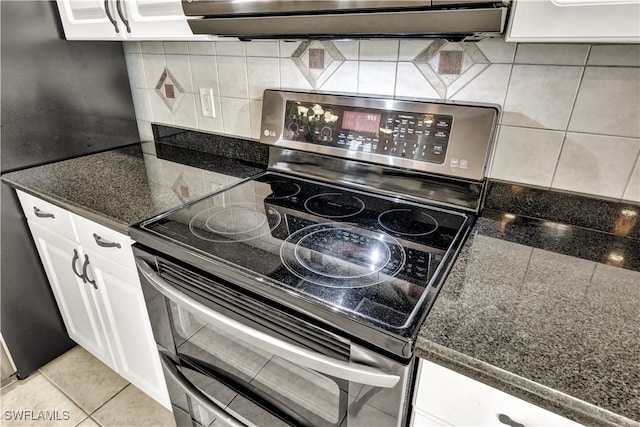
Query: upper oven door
(262, 7)
(258, 365)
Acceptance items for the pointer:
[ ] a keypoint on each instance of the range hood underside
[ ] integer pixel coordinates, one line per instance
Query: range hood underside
(457, 24)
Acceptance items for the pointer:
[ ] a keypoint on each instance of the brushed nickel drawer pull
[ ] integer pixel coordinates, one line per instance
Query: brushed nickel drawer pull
(505, 419)
(42, 214)
(105, 243)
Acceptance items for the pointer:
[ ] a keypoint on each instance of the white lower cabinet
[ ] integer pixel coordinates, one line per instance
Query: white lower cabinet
(77, 301)
(90, 270)
(446, 398)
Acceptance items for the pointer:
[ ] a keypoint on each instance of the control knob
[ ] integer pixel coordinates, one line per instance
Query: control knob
(326, 132)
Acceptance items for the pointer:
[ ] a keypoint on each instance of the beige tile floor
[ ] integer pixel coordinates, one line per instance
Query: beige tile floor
(76, 389)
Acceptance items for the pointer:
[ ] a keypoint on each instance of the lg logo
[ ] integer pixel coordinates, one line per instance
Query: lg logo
(268, 132)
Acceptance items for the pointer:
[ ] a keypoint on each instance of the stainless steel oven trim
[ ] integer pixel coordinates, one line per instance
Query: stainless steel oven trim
(197, 395)
(349, 371)
(471, 135)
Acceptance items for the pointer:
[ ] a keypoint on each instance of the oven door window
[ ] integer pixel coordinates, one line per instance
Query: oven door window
(252, 383)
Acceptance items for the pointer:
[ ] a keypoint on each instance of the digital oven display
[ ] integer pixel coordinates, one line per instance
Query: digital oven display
(361, 122)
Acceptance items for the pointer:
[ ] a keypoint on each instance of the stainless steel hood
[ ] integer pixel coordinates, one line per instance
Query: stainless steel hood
(329, 19)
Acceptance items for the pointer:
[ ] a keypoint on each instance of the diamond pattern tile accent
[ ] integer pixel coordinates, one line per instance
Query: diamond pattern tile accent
(450, 66)
(317, 61)
(170, 91)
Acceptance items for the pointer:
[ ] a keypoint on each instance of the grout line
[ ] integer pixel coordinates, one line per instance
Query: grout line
(633, 168)
(555, 169)
(109, 400)
(65, 394)
(575, 98)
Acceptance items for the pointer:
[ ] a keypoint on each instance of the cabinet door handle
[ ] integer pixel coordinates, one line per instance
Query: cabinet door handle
(119, 8)
(42, 214)
(108, 11)
(73, 265)
(505, 419)
(84, 271)
(105, 243)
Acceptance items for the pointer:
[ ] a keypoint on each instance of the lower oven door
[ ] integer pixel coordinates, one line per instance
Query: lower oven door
(230, 359)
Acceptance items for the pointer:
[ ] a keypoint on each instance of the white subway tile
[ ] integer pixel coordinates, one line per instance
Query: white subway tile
(596, 164)
(176, 48)
(616, 54)
(344, 79)
(291, 77)
(541, 96)
(411, 83)
(255, 109)
(608, 102)
(202, 48)
(382, 50)
(204, 73)
(553, 54)
(142, 104)
(287, 47)
(497, 50)
(230, 48)
(489, 87)
(185, 113)
(161, 113)
(131, 47)
(263, 73)
(236, 117)
(154, 66)
(179, 67)
(526, 156)
(632, 192)
(376, 78)
(268, 48)
(135, 69)
(348, 48)
(155, 48)
(409, 49)
(232, 72)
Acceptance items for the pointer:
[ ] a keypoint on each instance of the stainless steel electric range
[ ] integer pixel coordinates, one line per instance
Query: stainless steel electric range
(295, 297)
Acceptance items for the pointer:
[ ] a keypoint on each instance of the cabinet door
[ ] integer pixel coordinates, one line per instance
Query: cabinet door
(445, 397)
(128, 325)
(156, 19)
(90, 20)
(606, 21)
(75, 298)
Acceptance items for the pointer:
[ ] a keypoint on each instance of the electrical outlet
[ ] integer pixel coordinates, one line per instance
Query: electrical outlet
(206, 102)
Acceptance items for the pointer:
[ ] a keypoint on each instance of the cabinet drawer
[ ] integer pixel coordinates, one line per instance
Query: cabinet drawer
(50, 216)
(460, 400)
(105, 241)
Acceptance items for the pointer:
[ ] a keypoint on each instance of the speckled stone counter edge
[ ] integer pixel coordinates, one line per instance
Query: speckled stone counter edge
(75, 208)
(537, 394)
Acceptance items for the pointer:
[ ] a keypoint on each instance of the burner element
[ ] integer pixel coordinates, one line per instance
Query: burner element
(283, 189)
(408, 222)
(334, 205)
(341, 255)
(237, 222)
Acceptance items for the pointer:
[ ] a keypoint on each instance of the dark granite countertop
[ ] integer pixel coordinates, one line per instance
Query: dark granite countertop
(121, 187)
(544, 311)
(530, 306)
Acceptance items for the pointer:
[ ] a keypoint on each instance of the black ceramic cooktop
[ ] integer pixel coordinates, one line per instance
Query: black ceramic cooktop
(370, 256)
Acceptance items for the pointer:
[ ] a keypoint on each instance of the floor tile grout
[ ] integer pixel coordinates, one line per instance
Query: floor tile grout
(63, 392)
(110, 399)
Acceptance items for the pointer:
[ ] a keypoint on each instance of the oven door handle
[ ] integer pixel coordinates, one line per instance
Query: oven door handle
(197, 395)
(355, 372)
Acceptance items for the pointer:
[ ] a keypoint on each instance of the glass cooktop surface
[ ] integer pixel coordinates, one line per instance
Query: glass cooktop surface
(364, 255)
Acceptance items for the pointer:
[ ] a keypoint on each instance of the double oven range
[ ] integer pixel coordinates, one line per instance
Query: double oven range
(295, 297)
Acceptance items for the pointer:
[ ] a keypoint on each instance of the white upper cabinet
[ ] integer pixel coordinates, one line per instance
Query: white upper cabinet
(605, 21)
(125, 20)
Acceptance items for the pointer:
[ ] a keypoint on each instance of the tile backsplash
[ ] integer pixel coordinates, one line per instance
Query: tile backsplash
(571, 112)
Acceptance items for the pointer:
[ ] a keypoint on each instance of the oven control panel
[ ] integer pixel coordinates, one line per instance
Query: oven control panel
(403, 134)
(427, 136)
